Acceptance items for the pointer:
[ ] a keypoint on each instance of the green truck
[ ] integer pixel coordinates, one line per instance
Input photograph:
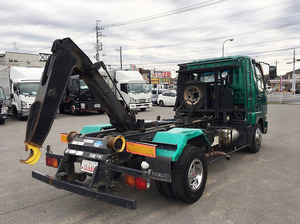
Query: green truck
(221, 108)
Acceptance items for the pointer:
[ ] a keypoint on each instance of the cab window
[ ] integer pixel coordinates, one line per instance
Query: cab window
(259, 78)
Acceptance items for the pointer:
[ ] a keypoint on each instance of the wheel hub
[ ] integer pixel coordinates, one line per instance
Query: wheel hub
(195, 174)
(258, 137)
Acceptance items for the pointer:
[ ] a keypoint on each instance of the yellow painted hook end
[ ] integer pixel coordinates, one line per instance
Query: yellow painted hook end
(34, 156)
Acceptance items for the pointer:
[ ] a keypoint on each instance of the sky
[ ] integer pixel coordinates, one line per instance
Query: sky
(157, 34)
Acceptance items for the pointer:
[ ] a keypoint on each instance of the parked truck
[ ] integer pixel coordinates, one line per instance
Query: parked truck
(221, 108)
(21, 85)
(130, 88)
(3, 107)
(78, 98)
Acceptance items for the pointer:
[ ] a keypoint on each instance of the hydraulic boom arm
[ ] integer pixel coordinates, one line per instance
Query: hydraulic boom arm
(68, 59)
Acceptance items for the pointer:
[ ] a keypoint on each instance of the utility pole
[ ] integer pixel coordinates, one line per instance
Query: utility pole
(121, 57)
(120, 50)
(98, 39)
(294, 77)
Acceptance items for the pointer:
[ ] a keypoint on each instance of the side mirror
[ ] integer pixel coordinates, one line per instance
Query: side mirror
(272, 72)
(15, 87)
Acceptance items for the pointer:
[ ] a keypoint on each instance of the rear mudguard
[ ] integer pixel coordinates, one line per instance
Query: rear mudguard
(179, 137)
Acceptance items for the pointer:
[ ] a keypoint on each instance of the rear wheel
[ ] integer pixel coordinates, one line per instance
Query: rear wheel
(256, 139)
(61, 110)
(189, 175)
(73, 109)
(164, 189)
(161, 103)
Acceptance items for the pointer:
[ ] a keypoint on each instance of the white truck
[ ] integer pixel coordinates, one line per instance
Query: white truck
(131, 88)
(21, 85)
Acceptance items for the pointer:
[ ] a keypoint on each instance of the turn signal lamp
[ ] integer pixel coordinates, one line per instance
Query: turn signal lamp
(52, 162)
(130, 180)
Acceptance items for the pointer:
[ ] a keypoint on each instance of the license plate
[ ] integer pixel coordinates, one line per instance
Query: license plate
(88, 166)
(141, 149)
(97, 105)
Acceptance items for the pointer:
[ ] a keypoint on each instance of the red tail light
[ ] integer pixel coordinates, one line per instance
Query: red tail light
(138, 182)
(141, 183)
(53, 162)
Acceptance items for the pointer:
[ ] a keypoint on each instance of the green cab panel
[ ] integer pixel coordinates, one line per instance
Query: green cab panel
(179, 137)
(94, 128)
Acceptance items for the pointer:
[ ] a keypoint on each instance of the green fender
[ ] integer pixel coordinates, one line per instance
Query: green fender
(94, 128)
(179, 137)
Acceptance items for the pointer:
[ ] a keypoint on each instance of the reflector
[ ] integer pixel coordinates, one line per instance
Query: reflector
(63, 137)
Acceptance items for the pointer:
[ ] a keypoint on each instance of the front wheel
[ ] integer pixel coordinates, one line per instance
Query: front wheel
(189, 175)
(256, 139)
(161, 103)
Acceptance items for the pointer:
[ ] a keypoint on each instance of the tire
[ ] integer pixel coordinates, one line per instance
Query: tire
(256, 139)
(143, 109)
(194, 95)
(189, 175)
(100, 111)
(161, 103)
(21, 118)
(61, 110)
(73, 109)
(2, 121)
(164, 189)
(15, 113)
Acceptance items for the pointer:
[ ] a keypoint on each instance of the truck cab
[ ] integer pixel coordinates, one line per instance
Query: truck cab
(228, 91)
(131, 89)
(78, 98)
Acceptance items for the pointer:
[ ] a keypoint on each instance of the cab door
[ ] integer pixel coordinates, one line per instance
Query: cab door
(261, 99)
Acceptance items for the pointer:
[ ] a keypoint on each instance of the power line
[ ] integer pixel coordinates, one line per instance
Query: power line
(168, 13)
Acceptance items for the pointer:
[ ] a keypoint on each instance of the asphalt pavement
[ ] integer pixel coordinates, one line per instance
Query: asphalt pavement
(250, 188)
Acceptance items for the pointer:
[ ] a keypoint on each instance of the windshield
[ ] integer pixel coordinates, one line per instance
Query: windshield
(29, 88)
(2, 95)
(83, 86)
(139, 88)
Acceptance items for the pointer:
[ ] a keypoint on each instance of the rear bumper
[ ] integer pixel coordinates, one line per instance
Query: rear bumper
(85, 191)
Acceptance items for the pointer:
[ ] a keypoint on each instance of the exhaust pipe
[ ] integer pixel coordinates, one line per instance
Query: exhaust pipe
(217, 153)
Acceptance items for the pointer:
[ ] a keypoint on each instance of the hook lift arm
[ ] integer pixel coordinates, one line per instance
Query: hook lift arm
(68, 59)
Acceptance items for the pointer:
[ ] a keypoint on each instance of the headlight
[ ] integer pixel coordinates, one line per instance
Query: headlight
(4, 110)
(132, 100)
(82, 105)
(23, 104)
